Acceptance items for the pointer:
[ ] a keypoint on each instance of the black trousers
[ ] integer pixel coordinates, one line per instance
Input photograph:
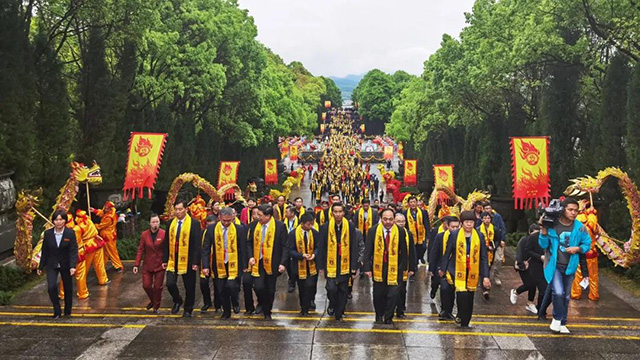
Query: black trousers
(52, 288)
(189, 281)
(527, 285)
(447, 296)
(337, 291)
(247, 290)
(228, 291)
(465, 306)
(385, 298)
(536, 274)
(307, 291)
(401, 303)
(206, 293)
(420, 250)
(435, 281)
(265, 286)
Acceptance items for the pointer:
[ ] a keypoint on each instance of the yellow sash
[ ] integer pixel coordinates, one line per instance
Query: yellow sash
(280, 212)
(489, 234)
(392, 256)
(237, 221)
(463, 283)
(332, 251)
(405, 274)
(268, 247)
(361, 223)
(440, 229)
(232, 251)
(183, 246)
(302, 211)
(305, 249)
(322, 218)
(295, 224)
(416, 226)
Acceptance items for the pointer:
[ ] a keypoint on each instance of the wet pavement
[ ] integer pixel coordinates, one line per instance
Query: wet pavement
(113, 323)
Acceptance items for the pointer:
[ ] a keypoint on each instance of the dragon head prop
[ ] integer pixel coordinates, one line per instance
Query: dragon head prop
(84, 174)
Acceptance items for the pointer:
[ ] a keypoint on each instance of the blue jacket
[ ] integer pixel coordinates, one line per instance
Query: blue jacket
(579, 237)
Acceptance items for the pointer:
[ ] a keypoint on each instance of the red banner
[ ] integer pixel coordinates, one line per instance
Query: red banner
(410, 172)
(270, 171)
(228, 173)
(530, 170)
(143, 165)
(400, 151)
(443, 176)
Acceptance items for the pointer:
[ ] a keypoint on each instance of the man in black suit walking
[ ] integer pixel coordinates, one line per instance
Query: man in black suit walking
(59, 256)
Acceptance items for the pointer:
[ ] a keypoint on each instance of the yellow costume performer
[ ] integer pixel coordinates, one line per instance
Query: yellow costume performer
(107, 229)
(93, 247)
(81, 270)
(589, 217)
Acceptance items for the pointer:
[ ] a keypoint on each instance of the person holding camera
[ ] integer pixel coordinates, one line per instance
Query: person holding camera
(565, 238)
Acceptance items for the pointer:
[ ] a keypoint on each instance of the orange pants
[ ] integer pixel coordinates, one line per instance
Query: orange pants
(576, 289)
(96, 259)
(111, 250)
(81, 282)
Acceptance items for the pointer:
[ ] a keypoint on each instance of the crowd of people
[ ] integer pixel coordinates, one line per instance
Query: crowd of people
(341, 238)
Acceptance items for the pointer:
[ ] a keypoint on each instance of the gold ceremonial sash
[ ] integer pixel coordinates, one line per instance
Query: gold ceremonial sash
(416, 226)
(463, 283)
(332, 251)
(392, 256)
(489, 234)
(361, 223)
(305, 249)
(183, 246)
(268, 247)
(232, 251)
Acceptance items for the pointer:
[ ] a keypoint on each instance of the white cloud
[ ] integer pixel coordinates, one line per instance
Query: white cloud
(341, 37)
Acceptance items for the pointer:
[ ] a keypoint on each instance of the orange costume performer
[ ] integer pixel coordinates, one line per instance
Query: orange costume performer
(589, 217)
(93, 247)
(107, 229)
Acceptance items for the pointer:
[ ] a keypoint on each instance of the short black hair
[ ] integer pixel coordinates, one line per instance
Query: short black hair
(306, 217)
(60, 212)
(486, 213)
(386, 210)
(210, 218)
(252, 199)
(265, 209)
(296, 199)
(180, 200)
(569, 201)
(533, 228)
(337, 204)
(412, 198)
(153, 216)
(366, 201)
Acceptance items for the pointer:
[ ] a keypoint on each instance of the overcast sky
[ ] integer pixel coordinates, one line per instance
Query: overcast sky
(341, 37)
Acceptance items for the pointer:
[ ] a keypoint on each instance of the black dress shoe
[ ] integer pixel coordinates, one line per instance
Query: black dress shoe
(205, 308)
(149, 306)
(340, 319)
(378, 320)
(187, 314)
(312, 306)
(432, 294)
(259, 310)
(236, 309)
(388, 321)
(291, 289)
(120, 270)
(156, 311)
(268, 317)
(249, 312)
(56, 316)
(485, 295)
(176, 308)
(217, 311)
(401, 315)
(225, 316)
(329, 311)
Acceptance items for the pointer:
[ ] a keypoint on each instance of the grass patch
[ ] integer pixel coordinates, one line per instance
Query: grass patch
(631, 285)
(14, 281)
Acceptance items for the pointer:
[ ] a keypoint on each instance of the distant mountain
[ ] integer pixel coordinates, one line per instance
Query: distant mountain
(347, 84)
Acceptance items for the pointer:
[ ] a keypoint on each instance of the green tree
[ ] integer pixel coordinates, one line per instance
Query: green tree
(333, 93)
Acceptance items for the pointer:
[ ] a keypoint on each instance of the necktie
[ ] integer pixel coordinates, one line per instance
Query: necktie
(226, 244)
(339, 240)
(386, 248)
(306, 242)
(179, 230)
(264, 232)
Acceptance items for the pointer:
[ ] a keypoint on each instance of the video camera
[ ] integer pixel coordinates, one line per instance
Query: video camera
(551, 213)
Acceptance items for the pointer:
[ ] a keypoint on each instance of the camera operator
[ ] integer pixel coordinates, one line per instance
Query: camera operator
(565, 238)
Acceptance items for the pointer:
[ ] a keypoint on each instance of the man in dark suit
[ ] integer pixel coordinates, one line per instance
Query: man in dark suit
(303, 250)
(226, 239)
(181, 256)
(267, 247)
(365, 218)
(418, 225)
(59, 256)
(386, 257)
(332, 258)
